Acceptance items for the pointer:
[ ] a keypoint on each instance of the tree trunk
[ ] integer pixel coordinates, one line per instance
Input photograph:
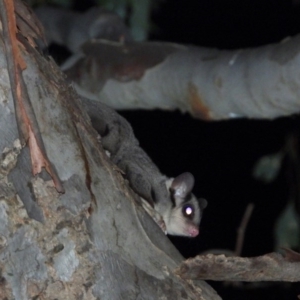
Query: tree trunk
(73, 229)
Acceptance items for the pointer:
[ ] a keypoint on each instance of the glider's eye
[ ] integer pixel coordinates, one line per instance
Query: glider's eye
(188, 211)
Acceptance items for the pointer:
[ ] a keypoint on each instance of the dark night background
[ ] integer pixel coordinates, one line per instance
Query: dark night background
(221, 155)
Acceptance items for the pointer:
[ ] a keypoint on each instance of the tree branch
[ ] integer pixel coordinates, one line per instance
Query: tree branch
(208, 83)
(269, 267)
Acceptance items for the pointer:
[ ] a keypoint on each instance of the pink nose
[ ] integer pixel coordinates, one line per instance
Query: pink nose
(193, 231)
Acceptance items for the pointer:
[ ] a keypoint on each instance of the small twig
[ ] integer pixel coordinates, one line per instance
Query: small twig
(241, 230)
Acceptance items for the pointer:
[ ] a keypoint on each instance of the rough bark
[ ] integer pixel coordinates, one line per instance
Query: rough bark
(91, 242)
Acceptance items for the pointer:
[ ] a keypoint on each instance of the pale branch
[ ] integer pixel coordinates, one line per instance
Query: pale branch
(208, 83)
(269, 267)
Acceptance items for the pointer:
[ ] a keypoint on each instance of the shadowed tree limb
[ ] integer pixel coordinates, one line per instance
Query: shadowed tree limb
(268, 267)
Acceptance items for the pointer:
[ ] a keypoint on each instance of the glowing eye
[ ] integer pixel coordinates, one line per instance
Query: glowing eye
(188, 211)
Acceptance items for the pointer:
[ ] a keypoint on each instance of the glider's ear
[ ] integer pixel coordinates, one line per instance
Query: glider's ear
(183, 185)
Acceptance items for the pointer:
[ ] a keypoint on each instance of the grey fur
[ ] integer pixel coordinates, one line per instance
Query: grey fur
(144, 177)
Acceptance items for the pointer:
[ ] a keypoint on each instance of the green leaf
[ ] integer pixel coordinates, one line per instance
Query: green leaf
(287, 231)
(267, 168)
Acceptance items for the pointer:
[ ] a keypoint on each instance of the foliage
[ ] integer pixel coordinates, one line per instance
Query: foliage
(287, 231)
(267, 168)
(287, 227)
